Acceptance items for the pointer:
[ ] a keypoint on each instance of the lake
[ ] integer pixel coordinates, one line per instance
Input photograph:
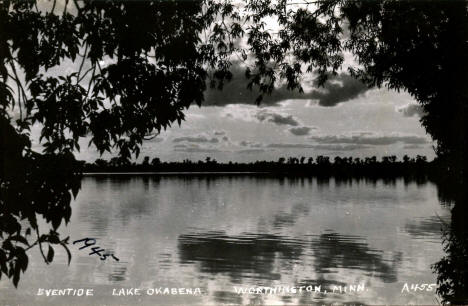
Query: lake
(220, 234)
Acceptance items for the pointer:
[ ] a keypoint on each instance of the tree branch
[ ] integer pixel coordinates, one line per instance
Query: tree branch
(82, 63)
(40, 245)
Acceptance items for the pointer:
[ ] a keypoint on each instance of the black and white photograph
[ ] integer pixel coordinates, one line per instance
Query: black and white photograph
(233, 152)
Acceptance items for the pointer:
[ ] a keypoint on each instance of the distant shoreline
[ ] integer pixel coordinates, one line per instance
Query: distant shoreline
(177, 172)
(321, 166)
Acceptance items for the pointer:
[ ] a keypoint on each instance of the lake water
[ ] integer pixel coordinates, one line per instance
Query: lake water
(221, 233)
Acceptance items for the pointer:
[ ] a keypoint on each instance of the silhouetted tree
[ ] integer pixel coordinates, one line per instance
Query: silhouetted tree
(421, 159)
(370, 160)
(101, 163)
(452, 269)
(406, 159)
(337, 160)
(156, 161)
(417, 46)
(137, 66)
(322, 160)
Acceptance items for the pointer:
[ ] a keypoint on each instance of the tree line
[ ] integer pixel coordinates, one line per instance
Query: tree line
(320, 165)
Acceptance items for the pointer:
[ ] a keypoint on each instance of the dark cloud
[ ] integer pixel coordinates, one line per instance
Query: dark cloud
(181, 146)
(198, 150)
(196, 139)
(225, 138)
(326, 147)
(247, 151)
(219, 133)
(252, 144)
(370, 139)
(340, 147)
(301, 130)
(411, 110)
(276, 118)
(337, 89)
(290, 146)
(195, 149)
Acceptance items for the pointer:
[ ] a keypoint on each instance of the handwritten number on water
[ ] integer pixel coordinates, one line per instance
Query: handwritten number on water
(87, 242)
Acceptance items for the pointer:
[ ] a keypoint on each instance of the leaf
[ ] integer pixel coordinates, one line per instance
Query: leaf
(24, 260)
(56, 222)
(19, 239)
(16, 277)
(50, 254)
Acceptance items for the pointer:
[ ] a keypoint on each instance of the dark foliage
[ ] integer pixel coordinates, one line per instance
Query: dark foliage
(452, 269)
(156, 67)
(417, 46)
(31, 187)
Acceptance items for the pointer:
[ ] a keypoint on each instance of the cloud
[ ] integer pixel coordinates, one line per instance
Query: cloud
(354, 141)
(251, 144)
(249, 151)
(181, 146)
(240, 112)
(370, 139)
(337, 89)
(196, 139)
(219, 133)
(327, 147)
(291, 146)
(194, 148)
(276, 118)
(410, 110)
(340, 147)
(301, 131)
(197, 150)
(340, 88)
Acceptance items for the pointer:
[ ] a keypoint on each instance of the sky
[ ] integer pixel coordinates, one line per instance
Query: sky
(344, 118)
